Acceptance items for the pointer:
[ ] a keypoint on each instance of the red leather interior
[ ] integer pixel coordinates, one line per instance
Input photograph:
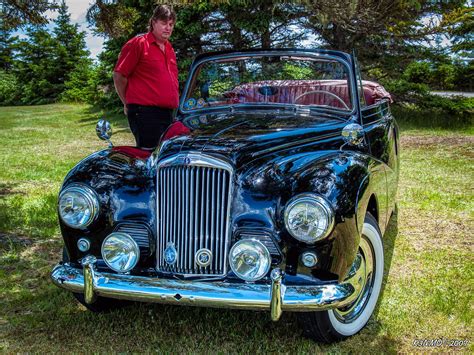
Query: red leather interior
(374, 92)
(305, 92)
(176, 129)
(132, 152)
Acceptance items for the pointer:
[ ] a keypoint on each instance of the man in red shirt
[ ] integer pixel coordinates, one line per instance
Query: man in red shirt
(146, 79)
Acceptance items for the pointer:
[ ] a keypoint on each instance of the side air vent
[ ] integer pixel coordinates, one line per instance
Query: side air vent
(266, 238)
(140, 232)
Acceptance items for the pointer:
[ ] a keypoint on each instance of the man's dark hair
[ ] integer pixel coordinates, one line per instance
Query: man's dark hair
(162, 12)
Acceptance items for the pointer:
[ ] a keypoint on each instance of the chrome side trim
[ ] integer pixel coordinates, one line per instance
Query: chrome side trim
(275, 298)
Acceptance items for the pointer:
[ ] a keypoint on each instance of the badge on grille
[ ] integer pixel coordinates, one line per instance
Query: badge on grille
(170, 254)
(182, 160)
(203, 257)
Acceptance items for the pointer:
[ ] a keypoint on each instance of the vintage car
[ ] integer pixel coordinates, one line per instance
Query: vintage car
(270, 191)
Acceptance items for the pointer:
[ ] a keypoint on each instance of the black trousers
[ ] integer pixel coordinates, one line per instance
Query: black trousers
(148, 123)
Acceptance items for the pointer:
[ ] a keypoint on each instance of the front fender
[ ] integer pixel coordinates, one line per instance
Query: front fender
(345, 179)
(126, 189)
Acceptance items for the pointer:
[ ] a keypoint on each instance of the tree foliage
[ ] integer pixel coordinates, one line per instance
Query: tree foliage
(407, 44)
(460, 25)
(43, 65)
(17, 13)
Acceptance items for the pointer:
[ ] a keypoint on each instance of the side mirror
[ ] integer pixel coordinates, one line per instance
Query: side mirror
(104, 131)
(353, 134)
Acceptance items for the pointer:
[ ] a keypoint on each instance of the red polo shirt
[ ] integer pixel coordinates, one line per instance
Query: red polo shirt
(152, 74)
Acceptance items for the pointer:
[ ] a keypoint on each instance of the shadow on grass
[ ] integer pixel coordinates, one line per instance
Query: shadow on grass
(389, 240)
(7, 189)
(33, 216)
(154, 327)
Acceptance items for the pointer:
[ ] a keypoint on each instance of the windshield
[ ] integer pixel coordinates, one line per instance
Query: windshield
(270, 79)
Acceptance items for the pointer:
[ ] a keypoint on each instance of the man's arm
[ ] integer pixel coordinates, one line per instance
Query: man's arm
(120, 83)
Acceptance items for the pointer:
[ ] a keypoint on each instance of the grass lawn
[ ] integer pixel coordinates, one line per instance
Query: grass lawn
(429, 246)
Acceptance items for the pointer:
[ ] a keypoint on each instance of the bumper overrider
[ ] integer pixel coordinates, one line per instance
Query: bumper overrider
(275, 297)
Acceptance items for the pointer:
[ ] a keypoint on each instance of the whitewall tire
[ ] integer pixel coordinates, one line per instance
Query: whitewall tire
(337, 324)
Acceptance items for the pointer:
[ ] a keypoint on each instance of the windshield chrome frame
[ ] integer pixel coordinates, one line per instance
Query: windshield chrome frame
(299, 53)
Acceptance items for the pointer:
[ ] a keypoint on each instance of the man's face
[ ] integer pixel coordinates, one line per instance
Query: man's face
(162, 29)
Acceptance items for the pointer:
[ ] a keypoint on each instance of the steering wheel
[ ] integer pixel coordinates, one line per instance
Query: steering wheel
(323, 92)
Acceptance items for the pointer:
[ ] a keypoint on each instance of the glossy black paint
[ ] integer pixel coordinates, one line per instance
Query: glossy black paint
(126, 189)
(276, 154)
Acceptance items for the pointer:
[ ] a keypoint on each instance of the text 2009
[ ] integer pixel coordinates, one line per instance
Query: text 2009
(440, 342)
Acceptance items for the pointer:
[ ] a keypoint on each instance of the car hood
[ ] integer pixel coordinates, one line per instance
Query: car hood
(243, 137)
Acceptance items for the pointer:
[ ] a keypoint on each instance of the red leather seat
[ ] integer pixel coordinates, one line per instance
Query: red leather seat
(304, 92)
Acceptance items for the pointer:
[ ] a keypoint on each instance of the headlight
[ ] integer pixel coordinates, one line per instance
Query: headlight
(78, 206)
(309, 218)
(120, 252)
(250, 259)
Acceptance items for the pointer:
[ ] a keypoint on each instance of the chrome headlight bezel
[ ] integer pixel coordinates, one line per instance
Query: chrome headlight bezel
(134, 245)
(91, 198)
(321, 203)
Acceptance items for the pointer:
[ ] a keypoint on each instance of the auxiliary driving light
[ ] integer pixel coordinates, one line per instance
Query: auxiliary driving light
(249, 259)
(120, 252)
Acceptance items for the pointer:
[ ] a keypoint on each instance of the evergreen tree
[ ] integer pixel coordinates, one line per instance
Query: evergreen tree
(70, 49)
(17, 13)
(7, 44)
(35, 67)
(48, 64)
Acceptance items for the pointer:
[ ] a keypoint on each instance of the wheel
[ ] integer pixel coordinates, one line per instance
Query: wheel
(338, 324)
(102, 304)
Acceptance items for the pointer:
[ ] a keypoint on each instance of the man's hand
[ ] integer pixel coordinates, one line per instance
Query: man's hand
(120, 83)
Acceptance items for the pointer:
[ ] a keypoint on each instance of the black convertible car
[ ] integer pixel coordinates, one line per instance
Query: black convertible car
(271, 191)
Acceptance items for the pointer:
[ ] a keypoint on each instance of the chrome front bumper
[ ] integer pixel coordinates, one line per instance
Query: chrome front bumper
(276, 297)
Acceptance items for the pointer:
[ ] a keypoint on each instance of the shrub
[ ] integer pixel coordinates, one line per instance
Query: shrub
(9, 90)
(81, 84)
(418, 72)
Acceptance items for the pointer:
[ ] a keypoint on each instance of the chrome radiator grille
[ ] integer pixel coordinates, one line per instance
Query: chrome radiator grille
(193, 213)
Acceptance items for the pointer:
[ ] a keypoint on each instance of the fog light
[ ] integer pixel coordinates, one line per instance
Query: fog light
(309, 259)
(83, 244)
(120, 252)
(249, 259)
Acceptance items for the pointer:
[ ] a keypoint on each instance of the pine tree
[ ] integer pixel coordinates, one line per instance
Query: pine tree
(48, 64)
(71, 46)
(7, 43)
(35, 67)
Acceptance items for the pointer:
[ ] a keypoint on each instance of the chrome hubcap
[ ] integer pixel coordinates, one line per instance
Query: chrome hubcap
(352, 311)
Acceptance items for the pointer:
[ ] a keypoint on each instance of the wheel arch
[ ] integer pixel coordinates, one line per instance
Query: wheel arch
(373, 207)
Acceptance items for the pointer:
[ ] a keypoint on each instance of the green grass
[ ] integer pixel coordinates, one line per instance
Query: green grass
(429, 252)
